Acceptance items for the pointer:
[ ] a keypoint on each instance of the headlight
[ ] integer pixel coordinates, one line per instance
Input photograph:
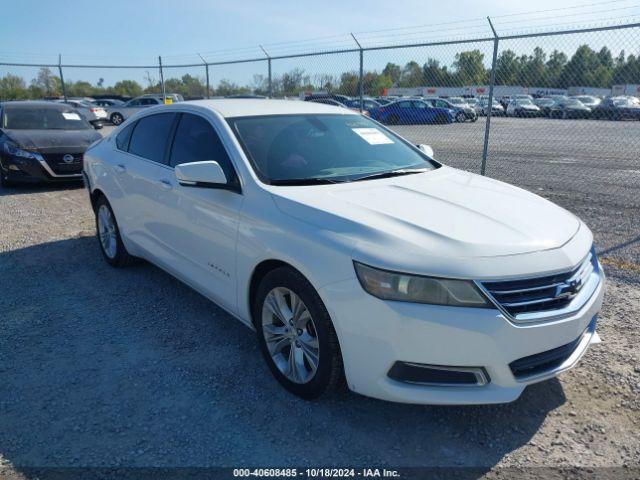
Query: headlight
(14, 151)
(403, 287)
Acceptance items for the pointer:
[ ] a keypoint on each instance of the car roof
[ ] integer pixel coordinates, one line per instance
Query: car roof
(248, 107)
(35, 103)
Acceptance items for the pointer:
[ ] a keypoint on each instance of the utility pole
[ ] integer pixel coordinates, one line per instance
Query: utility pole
(161, 79)
(361, 75)
(206, 66)
(64, 88)
(487, 126)
(270, 85)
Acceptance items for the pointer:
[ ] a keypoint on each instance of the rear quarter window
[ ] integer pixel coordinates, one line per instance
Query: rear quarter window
(123, 138)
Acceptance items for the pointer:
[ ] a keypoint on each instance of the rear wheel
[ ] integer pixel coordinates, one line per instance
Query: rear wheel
(109, 237)
(116, 118)
(296, 334)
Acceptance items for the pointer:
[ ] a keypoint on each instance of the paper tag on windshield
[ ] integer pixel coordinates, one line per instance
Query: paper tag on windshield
(372, 136)
(71, 116)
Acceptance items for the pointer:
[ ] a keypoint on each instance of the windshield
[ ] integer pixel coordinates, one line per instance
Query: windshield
(42, 118)
(457, 101)
(289, 148)
(573, 103)
(524, 101)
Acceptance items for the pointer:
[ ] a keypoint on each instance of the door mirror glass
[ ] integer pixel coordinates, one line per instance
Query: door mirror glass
(426, 149)
(97, 125)
(201, 174)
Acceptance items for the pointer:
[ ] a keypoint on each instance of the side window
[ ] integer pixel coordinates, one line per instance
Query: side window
(419, 105)
(150, 136)
(123, 138)
(134, 103)
(197, 141)
(405, 105)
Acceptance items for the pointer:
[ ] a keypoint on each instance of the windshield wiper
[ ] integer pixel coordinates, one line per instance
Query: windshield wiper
(304, 181)
(392, 173)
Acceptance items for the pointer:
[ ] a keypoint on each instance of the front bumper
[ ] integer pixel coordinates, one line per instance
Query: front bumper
(33, 171)
(374, 334)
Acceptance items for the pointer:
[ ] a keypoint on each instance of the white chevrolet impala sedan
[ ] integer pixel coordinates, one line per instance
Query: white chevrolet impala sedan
(352, 253)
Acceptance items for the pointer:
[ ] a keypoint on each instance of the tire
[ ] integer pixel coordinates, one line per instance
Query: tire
(461, 117)
(113, 249)
(116, 118)
(393, 119)
(4, 181)
(474, 119)
(279, 287)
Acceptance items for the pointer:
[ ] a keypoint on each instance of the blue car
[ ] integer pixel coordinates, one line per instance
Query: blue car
(406, 112)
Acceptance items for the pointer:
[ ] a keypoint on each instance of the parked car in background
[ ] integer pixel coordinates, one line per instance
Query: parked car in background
(42, 142)
(472, 102)
(370, 105)
(545, 104)
(107, 102)
(413, 112)
(355, 257)
(94, 114)
(343, 99)
(522, 107)
(385, 100)
(482, 108)
(588, 100)
(618, 108)
(336, 103)
(569, 108)
(119, 113)
(462, 111)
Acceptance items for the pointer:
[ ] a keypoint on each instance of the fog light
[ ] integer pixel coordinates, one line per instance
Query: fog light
(438, 375)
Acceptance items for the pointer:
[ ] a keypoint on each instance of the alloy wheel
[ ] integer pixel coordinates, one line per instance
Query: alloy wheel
(107, 231)
(290, 335)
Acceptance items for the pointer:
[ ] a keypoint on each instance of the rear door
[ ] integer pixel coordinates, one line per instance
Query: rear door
(147, 181)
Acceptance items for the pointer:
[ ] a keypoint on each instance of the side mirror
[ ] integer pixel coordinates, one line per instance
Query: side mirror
(201, 174)
(426, 149)
(97, 126)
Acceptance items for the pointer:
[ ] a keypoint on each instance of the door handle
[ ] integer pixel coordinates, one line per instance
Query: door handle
(166, 184)
(120, 168)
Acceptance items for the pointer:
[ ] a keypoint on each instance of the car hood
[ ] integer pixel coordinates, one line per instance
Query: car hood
(49, 140)
(445, 212)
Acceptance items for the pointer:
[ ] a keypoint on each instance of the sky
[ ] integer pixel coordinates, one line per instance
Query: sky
(136, 32)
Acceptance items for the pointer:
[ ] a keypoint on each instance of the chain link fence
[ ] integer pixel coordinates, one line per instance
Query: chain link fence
(554, 112)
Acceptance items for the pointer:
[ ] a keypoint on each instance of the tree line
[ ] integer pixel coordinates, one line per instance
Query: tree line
(585, 68)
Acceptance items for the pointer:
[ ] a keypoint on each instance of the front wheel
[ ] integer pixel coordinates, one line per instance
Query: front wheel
(460, 117)
(296, 335)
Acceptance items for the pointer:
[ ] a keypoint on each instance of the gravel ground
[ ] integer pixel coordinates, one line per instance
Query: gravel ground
(105, 368)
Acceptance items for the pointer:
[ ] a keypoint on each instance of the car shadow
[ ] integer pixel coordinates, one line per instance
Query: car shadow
(105, 367)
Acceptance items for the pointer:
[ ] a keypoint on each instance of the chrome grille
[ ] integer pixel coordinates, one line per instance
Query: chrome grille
(543, 294)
